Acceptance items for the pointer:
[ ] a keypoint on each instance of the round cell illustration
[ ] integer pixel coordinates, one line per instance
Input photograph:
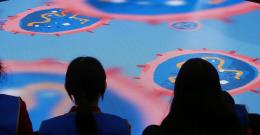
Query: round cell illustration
(156, 11)
(51, 20)
(185, 25)
(237, 73)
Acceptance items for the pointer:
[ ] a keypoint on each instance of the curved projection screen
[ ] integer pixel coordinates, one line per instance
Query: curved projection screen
(141, 43)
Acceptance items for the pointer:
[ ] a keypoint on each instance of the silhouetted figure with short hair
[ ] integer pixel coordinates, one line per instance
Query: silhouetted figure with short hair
(14, 118)
(85, 83)
(198, 107)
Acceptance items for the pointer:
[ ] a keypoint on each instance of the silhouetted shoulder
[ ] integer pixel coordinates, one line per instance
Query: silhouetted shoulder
(111, 124)
(9, 114)
(65, 124)
(54, 125)
(8, 97)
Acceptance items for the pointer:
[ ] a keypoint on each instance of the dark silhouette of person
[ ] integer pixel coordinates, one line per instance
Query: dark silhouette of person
(14, 118)
(85, 83)
(198, 107)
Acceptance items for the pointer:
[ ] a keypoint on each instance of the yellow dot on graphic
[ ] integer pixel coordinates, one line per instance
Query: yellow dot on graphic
(172, 79)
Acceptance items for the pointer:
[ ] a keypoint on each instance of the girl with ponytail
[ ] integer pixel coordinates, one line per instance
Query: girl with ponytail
(85, 84)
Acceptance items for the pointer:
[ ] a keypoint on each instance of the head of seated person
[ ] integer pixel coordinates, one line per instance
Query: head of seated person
(198, 107)
(85, 83)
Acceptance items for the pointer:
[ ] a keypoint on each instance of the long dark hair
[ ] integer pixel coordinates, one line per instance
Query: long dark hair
(198, 107)
(85, 83)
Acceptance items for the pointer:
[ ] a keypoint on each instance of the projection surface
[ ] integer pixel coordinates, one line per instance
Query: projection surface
(142, 44)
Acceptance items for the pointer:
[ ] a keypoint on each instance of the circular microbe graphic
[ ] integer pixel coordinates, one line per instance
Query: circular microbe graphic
(237, 73)
(51, 20)
(185, 25)
(233, 73)
(155, 11)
